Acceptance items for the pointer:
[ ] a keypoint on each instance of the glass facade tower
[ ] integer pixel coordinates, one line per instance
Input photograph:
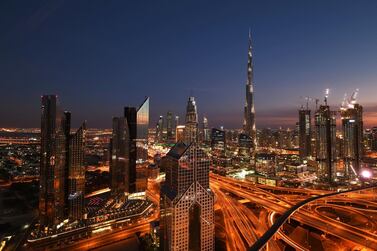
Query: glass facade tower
(119, 162)
(52, 182)
(325, 128)
(352, 128)
(142, 131)
(305, 133)
(76, 174)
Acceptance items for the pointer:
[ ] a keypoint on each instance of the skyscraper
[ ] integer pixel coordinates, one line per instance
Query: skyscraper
(249, 111)
(245, 143)
(305, 133)
(76, 174)
(129, 147)
(130, 114)
(180, 133)
(142, 131)
(119, 157)
(191, 127)
(52, 182)
(218, 141)
(187, 216)
(169, 126)
(176, 121)
(67, 132)
(325, 127)
(160, 129)
(352, 128)
(206, 132)
(374, 139)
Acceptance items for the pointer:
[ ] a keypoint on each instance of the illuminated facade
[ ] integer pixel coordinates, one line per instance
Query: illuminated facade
(352, 128)
(374, 139)
(186, 207)
(249, 110)
(180, 133)
(176, 122)
(187, 217)
(206, 131)
(160, 129)
(169, 126)
(52, 183)
(142, 131)
(245, 143)
(191, 127)
(325, 133)
(218, 141)
(76, 174)
(305, 133)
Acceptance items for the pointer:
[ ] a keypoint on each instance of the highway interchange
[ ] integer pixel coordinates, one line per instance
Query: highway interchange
(326, 218)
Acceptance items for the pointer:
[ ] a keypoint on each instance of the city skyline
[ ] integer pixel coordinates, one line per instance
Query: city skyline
(190, 126)
(295, 56)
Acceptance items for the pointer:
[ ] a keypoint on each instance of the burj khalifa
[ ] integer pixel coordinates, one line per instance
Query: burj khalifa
(249, 113)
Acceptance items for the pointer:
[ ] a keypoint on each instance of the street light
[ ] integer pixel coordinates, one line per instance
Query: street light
(366, 174)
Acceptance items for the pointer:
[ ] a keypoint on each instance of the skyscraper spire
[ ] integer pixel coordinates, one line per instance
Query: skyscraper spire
(250, 73)
(191, 130)
(249, 113)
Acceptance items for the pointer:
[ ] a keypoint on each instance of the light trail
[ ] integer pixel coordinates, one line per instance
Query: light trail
(279, 205)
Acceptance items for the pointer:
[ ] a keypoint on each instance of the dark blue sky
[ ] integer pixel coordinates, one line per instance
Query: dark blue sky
(99, 56)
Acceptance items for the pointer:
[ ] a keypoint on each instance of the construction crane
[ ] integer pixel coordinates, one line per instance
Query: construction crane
(327, 93)
(349, 103)
(308, 99)
(353, 98)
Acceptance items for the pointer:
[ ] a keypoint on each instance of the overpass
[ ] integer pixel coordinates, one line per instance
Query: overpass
(262, 241)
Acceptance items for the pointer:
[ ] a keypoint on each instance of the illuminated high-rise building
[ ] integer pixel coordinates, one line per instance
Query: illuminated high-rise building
(249, 110)
(245, 143)
(374, 139)
(305, 133)
(160, 129)
(53, 157)
(176, 121)
(218, 141)
(76, 174)
(67, 132)
(352, 128)
(191, 127)
(187, 214)
(180, 133)
(325, 133)
(169, 126)
(206, 131)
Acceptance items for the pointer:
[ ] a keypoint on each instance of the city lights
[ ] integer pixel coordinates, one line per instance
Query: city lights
(367, 174)
(232, 140)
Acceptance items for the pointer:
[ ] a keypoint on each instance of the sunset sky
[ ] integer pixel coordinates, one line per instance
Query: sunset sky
(99, 56)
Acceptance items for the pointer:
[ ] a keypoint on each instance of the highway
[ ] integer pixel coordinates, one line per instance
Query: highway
(279, 204)
(96, 235)
(239, 223)
(109, 238)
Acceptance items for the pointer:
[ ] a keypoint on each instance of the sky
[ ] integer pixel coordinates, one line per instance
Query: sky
(99, 56)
